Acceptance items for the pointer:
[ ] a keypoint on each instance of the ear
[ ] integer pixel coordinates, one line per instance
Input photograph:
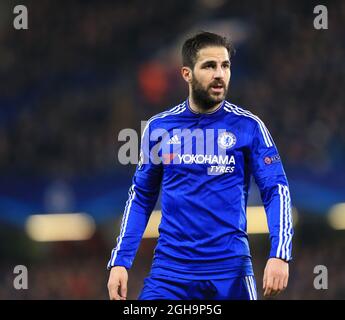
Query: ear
(186, 73)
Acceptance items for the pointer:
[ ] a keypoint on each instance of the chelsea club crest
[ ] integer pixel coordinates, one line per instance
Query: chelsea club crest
(226, 140)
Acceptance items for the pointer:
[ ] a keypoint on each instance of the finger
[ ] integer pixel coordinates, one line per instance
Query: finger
(275, 289)
(275, 285)
(123, 290)
(271, 291)
(264, 284)
(286, 280)
(281, 285)
(268, 289)
(113, 293)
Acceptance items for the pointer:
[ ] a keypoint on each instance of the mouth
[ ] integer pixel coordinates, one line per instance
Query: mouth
(217, 88)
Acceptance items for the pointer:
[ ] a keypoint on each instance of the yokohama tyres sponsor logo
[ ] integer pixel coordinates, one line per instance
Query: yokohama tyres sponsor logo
(206, 159)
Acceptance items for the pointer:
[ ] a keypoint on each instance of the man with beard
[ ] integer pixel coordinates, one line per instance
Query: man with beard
(203, 249)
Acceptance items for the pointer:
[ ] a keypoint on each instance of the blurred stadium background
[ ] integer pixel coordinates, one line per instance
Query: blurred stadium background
(86, 69)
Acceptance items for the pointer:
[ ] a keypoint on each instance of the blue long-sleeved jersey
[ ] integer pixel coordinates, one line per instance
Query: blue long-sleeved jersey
(203, 164)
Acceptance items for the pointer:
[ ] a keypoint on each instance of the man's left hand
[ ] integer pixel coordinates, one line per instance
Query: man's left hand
(276, 277)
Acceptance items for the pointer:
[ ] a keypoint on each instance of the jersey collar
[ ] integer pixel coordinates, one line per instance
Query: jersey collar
(218, 111)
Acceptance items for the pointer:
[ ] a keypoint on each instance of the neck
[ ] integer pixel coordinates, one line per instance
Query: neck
(198, 109)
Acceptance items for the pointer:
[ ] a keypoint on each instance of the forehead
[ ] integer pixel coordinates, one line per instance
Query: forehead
(212, 54)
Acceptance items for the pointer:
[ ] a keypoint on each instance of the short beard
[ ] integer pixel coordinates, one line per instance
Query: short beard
(202, 98)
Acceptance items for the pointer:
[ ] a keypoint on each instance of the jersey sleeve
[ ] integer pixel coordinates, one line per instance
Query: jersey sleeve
(142, 197)
(271, 179)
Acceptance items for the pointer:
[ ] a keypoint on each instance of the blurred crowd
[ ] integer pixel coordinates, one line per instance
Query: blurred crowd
(84, 70)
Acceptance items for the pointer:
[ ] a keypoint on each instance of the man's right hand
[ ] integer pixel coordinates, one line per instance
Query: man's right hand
(117, 283)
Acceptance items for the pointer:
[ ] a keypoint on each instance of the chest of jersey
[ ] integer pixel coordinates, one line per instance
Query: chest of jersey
(204, 148)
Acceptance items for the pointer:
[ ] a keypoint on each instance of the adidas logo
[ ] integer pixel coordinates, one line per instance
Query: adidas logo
(174, 140)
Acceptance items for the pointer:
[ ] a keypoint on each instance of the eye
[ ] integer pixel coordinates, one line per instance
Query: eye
(209, 66)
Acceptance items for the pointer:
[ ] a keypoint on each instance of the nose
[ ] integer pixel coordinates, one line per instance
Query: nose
(219, 73)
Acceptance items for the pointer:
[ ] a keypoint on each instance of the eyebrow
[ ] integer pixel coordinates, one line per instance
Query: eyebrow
(213, 61)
